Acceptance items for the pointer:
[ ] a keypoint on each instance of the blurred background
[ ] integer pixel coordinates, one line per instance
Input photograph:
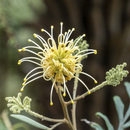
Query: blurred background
(106, 24)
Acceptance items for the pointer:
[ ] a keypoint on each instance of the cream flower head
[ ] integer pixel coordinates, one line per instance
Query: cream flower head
(57, 63)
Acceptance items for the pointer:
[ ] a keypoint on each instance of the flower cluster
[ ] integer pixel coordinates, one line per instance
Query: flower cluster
(58, 63)
(16, 105)
(115, 75)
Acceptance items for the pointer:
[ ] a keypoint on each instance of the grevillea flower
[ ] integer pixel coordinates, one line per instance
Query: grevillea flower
(57, 63)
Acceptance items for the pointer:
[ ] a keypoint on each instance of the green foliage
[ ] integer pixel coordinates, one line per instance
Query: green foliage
(30, 121)
(2, 125)
(127, 86)
(123, 123)
(109, 125)
(115, 75)
(120, 109)
(26, 11)
(92, 124)
(14, 14)
(15, 104)
(97, 126)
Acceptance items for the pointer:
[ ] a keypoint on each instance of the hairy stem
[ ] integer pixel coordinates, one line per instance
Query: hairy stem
(92, 90)
(38, 115)
(43, 117)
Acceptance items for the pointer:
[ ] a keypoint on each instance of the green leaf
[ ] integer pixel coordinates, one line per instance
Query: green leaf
(109, 125)
(96, 126)
(120, 110)
(92, 124)
(127, 114)
(29, 121)
(127, 85)
(126, 125)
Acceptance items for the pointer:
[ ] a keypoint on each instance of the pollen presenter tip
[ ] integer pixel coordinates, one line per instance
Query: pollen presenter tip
(95, 82)
(73, 29)
(42, 30)
(64, 94)
(19, 50)
(19, 62)
(95, 52)
(21, 89)
(24, 80)
(34, 35)
(72, 101)
(23, 84)
(51, 103)
(89, 92)
(29, 40)
(23, 49)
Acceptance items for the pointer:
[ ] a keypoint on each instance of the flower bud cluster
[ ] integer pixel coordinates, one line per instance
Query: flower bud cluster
(115, 75)
(82, 44)
(15, 104)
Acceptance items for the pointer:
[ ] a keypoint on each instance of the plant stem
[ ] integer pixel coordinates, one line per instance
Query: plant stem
(43, 117)
(36, 114)
(54, 126)
(74, 104)
(85, 94)
(65, 110)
